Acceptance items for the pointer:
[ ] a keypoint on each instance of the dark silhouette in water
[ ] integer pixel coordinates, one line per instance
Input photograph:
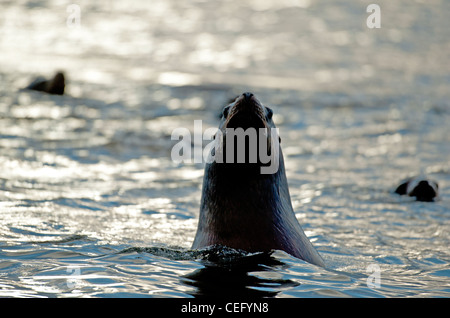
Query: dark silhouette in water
(228, 273)
(420, 188)
(54, 86)
(243, 208)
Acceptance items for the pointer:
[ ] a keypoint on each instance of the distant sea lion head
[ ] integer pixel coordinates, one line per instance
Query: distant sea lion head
(424, 190)
(421, 188)
(57, 84)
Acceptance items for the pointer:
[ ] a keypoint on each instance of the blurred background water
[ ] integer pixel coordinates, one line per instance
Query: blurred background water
(91, 204)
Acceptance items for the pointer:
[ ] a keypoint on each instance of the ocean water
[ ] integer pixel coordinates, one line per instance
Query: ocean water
(92, 205)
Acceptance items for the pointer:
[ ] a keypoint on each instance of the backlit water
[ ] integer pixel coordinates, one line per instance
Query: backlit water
(91, 204)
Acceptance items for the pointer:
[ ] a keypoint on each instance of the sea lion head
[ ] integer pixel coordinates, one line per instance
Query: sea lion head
(57, 84)
(424, 190)
(247, 137)
(246, 111)
(421, 188)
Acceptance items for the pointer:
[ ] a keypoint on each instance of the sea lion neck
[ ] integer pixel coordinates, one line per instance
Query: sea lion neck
(233, 185)
(239, 209)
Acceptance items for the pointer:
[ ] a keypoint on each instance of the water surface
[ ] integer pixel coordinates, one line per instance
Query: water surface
(91, 204)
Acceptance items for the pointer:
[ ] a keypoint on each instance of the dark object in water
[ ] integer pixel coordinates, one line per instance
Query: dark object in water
(54, 86)
(420, 188)
(242, 207)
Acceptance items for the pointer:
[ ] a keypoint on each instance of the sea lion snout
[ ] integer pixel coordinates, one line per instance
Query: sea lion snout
(248, 95)
(245, 112)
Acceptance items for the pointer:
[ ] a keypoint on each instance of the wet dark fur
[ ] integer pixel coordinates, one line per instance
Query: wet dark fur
(244, 209)
(55, 86)
(422, 189)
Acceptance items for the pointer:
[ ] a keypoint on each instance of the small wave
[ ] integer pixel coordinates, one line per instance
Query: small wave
(213, 253)
(68, 239)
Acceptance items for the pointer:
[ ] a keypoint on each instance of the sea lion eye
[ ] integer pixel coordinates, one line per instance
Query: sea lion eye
(225, 111)
(269, 113)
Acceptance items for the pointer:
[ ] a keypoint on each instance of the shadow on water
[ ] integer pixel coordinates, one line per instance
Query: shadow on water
(227, 272)
(231, 273)
(234, 279)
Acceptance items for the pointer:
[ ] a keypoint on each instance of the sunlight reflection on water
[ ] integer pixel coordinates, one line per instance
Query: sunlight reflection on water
(92, 205)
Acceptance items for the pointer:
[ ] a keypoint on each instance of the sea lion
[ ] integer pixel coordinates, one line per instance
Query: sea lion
(54, 86)
(420, 188)
(243, 208)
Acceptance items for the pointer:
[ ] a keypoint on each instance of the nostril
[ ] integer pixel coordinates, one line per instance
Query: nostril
(248, 95)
